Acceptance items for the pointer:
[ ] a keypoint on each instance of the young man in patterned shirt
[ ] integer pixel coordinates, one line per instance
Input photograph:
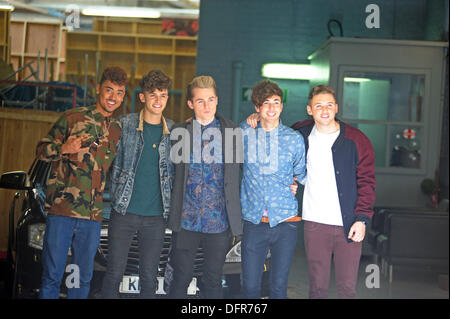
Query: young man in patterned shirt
(205, 207)
(81, 146)
(274, 154)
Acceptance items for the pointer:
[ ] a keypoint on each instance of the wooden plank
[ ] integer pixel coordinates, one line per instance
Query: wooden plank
(112, 43)
(29, 115)
(5, 44)
(41, 36)
(147, 62)
(20, 131)
(17, 33)
(184, 70)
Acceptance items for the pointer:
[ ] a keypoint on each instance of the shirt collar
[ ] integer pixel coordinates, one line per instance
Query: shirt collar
(280, 126)
(214, 123)
(141, 123)
(98, 116)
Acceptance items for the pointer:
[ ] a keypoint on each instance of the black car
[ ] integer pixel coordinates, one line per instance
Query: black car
(26, 238)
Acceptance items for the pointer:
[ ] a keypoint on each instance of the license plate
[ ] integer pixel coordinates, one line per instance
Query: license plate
(130, 285)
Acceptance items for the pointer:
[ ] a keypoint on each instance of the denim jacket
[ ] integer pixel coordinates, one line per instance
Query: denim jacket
(124, 166)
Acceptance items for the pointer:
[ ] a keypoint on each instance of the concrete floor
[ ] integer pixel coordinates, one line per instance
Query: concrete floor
(407, 283)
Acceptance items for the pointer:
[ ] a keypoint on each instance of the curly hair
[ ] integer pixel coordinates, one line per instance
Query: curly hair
(263, 90)
(155, 80)
(114, 74)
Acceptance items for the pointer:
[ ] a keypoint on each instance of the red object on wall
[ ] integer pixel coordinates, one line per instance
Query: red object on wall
(409, 134)
(188, 28)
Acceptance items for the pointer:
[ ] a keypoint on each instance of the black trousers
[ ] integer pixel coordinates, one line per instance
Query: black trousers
(122, 228)
(184, 247)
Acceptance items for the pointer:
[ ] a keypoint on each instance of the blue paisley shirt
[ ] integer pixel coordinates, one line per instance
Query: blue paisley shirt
(204, 207)
(271, 161)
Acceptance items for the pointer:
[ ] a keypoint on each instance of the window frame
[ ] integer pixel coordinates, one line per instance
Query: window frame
(422, 125)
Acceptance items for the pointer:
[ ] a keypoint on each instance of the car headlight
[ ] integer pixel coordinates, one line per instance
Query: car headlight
(234, 255)
(36, 235)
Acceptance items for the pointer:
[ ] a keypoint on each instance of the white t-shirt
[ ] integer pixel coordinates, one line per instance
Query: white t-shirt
(320, 199)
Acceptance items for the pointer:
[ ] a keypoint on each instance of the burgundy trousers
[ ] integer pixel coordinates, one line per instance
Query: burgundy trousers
(321, 243)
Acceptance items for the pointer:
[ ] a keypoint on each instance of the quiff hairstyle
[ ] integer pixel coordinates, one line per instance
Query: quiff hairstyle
(114, 74)
(320, 89)
(200, 82)
(155, 80)
(263, 90)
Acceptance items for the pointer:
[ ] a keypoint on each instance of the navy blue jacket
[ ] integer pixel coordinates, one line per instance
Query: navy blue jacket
(354, 166)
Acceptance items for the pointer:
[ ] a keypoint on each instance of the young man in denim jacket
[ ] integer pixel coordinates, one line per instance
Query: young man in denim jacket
(142, 176)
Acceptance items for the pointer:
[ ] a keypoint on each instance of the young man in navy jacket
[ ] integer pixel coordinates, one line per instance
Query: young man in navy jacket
(338, 197)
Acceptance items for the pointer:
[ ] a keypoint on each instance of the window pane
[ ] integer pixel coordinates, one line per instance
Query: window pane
(383, 96)
(377, 135)
(405, 142)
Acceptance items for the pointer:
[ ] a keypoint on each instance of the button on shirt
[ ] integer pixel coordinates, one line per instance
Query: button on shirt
(271, 160)
(204, 207)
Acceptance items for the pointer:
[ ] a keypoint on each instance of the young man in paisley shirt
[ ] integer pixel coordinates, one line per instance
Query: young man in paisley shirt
(81, 147)
(205, 206)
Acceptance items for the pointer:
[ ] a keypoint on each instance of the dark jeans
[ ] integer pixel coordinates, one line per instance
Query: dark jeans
(61, 233)
(256, 242)
(121, 230)
(184, 247)
(321, 242)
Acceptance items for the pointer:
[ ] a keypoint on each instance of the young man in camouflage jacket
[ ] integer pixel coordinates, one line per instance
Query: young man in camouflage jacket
(81, 146)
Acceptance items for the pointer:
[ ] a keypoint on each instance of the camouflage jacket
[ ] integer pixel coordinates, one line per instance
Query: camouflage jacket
(77, 181)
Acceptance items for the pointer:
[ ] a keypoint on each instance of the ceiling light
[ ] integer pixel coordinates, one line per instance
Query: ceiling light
(356, 79)
(288, 71)
(125, 12)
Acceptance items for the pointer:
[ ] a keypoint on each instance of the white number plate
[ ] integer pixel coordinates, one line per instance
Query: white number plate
(130, 285)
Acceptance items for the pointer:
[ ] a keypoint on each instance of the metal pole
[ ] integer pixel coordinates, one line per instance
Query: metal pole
(236, 85)
(38, 67)
(86, 68)
(97, 67)
(45, 64)
(45, 76)
(74, 99)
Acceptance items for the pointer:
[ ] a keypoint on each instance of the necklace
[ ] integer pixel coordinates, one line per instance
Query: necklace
(151, 139)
